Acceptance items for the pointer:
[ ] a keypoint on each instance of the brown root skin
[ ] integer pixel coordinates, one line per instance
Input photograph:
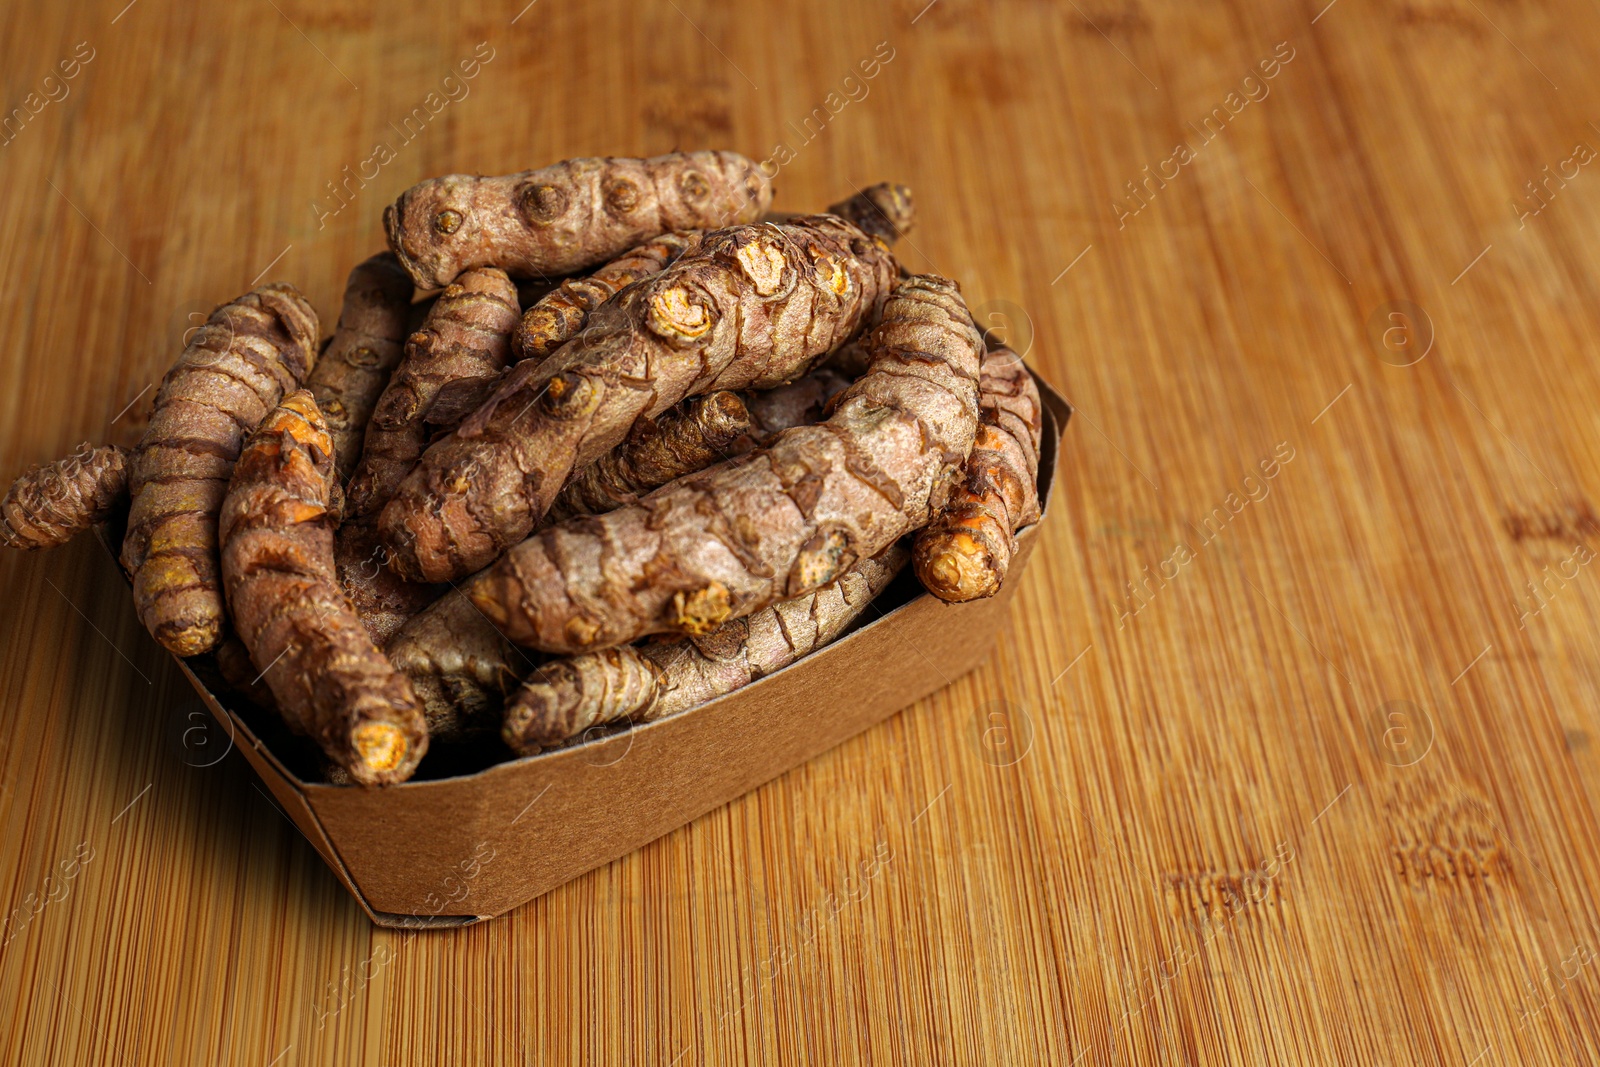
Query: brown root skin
(561, 313)
(328, 678)
(365, 347)
(460, 666)
(751, 306)
(963, 554)
(50, 503)
(466, 338)
(384, 600)
(235, 370)
(569, 216)
(884, 211)
(771, 525)
(699, 432)
(650, 681)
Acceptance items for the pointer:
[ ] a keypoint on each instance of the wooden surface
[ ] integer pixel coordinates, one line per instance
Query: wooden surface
(1303, 780)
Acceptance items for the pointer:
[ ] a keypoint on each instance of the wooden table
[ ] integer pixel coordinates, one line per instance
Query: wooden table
(1291, 757)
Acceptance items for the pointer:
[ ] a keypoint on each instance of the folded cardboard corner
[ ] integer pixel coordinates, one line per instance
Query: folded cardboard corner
(455, 850)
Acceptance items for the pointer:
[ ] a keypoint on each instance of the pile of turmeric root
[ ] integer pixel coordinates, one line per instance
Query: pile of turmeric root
(590, 444)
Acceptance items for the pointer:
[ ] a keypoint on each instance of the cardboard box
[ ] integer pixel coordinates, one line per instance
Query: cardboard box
(452, 851)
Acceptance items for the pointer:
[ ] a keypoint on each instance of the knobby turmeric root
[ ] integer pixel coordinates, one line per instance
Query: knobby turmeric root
(561, 313)
(774, 524)
(328, 678)
(355, 366)
(235, 370)
(964, 552)
(465, 339)
(53, 501)
(568, 216)
(751, 306)
(652, 680)
(459, 666)
(691, 437)
(884, 211)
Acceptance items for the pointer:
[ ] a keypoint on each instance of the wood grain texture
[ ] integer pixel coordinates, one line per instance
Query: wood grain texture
(1272, 769)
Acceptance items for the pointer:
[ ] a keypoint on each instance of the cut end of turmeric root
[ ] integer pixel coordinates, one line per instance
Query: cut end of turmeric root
(959, 565)
(381, 748)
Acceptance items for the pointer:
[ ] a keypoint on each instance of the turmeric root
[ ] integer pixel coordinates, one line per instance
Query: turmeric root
(459, 665)
(328, 678)
(467, 336)
(51, 502)
(568, 216)
(771, 525)
(650, 681)
(562, 312)
(699, 432)
(234, 371)
(368, 342)
(751, 306)
(884, 211)
(964, 552)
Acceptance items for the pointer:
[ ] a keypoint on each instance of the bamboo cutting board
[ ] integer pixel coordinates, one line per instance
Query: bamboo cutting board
(1290, 757)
